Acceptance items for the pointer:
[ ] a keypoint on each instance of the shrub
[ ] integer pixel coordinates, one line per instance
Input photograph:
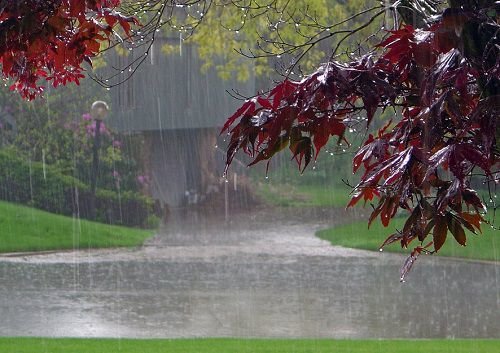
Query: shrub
(45, 187)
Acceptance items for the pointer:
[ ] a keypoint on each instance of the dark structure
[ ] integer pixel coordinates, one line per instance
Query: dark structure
(178, 110)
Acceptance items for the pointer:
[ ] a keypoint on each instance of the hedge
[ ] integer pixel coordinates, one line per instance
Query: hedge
(31, 184)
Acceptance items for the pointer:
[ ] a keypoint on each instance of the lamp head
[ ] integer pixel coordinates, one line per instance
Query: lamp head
(99, 110)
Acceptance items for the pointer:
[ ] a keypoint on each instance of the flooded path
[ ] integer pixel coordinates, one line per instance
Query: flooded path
(261, 275)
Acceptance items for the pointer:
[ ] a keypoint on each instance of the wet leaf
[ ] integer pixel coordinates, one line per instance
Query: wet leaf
(439, 232)
(392, 239)
(456, 229)
(471, 197)
(409, 262)
(246, 109)
(411, 222)
(473, 219)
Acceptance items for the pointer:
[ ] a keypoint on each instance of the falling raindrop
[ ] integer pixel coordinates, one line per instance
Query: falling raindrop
(236, 255)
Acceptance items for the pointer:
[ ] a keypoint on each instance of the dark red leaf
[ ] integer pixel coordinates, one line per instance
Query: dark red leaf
(409, 262)
(246, 109)
(282, 91)
(401, 165)
(264, 103)
(474, 155)
(438, 159)
(391, 239)
(367, 193)
(474, 219)
(336, 128)
(411, 222)
(77, 8)
(424, 54)
(471, 197)
(456, 229)
(439, 232)
(302, 151)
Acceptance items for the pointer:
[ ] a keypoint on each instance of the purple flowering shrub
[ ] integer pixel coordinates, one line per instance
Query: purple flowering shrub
(117, 168)
(67, 145)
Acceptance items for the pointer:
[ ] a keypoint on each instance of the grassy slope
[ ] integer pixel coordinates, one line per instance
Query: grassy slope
(28, 229)
(485, 246)
(304, 195)
(39, 345)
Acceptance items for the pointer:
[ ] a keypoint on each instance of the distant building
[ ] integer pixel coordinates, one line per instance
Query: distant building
(178, 111)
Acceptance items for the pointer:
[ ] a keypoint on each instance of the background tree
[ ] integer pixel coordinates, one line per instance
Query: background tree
(235, 31)
(56, 40)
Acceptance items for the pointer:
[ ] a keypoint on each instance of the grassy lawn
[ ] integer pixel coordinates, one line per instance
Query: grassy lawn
(42, 345)
(303, 195)
(484, 246)
(28, 229)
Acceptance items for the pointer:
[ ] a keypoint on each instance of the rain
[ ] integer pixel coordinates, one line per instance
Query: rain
(152, 239)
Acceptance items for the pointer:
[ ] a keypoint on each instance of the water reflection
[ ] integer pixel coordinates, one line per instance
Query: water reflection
(259, 279)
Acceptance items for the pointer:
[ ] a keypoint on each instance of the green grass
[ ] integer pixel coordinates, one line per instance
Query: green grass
(484, 246)
(28, 229)
(44, 345)
(304, 195)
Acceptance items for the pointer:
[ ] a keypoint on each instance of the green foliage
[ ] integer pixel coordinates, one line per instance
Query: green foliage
(46, 187)
(29, 229)
(117, 169)
(226, 345)
(54, 131)
(260, 30)
(42, 125)
(32, 183)
(152, 221)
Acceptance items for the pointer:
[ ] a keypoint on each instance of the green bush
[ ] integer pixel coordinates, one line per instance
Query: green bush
(46, 188)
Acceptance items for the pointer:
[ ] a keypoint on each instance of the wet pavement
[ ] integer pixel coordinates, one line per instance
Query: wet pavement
(262, 275)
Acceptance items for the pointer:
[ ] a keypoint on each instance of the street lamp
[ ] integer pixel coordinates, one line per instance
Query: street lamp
(99, 111)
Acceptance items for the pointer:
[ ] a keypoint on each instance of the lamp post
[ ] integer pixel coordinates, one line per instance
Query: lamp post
(99, 111)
